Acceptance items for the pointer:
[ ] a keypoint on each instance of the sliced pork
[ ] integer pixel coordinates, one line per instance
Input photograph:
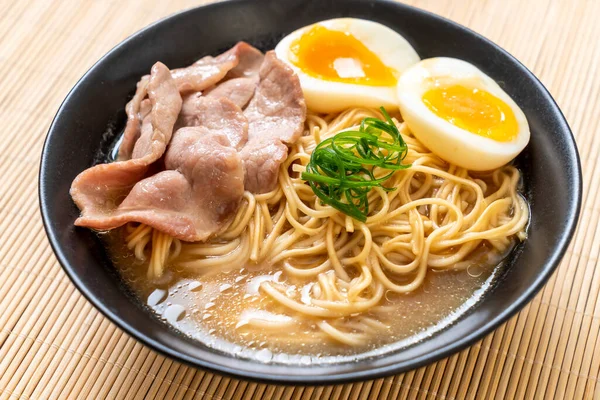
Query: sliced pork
(238, 65)
(198, 110)
(200, 190)
(250, 60)
(276, 117)
(207, 71)
(189, 183)
(197, 197)
(238, 90)
(240, 83)
(98, 191)
(134, 119)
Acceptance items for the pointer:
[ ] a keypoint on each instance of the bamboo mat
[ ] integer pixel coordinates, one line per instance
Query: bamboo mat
(54, 344)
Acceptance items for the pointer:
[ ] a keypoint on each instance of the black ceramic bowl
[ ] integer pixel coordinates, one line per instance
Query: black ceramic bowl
(78, 137)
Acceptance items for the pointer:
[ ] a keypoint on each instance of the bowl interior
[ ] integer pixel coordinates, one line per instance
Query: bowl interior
(79, 134)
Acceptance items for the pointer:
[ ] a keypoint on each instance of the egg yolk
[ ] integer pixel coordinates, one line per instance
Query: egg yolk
(339, 56)
(473, 110)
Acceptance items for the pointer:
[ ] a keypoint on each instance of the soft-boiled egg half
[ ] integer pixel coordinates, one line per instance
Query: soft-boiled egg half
(347, 62)
(461, 114)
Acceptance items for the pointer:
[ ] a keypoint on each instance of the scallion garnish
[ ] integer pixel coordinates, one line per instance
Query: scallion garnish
(342, 168)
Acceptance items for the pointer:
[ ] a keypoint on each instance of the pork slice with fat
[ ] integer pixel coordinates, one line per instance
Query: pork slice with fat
(240, 83)
(199, 193)
(207, 71)
(98, 190)
(210, 112)
(238, 64)
(200, 190)
(276, 117)
(135, 116)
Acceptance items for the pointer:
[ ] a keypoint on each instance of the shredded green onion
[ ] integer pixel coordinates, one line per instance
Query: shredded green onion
(342, 168)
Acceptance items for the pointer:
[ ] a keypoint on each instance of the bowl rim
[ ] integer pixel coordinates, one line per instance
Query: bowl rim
(345, 377)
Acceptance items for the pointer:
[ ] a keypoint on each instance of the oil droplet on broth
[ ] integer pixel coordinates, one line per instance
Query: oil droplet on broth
(264, 355)
(474, 270)
(174, 313)
(224, 287)
(305, 360)
(156, 297)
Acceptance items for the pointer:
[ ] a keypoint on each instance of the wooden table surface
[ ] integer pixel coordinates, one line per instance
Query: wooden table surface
(54, 344)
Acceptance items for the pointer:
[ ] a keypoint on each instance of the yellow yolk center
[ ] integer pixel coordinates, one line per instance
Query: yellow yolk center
(474, 110)
(338, 56)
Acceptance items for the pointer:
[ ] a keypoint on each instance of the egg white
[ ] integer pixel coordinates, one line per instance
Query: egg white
(329, 96)
(451, 143)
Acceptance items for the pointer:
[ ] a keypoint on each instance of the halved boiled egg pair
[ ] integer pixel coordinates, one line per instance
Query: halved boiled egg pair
(452, 107)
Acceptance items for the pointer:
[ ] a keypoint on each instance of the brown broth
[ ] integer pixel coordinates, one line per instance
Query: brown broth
(209, 308)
